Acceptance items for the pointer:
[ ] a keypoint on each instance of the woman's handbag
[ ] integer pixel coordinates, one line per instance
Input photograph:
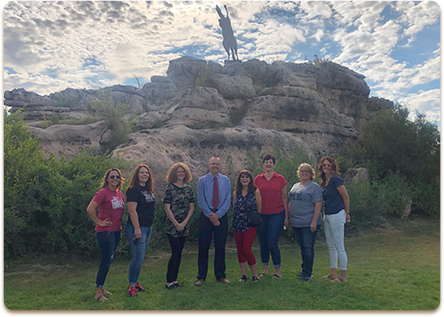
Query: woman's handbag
(254, 218)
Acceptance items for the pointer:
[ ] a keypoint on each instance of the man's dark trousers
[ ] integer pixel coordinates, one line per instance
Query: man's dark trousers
(206, 229)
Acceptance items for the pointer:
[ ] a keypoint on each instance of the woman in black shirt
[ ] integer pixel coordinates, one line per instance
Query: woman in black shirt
(140, 202)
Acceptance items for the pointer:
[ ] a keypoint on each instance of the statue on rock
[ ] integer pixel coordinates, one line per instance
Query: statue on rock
(227, 32)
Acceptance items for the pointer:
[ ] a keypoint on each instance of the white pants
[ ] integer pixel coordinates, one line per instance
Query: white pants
(334, 234)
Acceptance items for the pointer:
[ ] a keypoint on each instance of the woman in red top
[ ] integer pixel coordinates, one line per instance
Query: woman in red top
(111, 205)
(273, 190)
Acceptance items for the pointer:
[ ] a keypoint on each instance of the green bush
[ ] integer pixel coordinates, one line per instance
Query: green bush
(45, 200)
(113, 114)
(398, 151)
(426, 199)
(203, 78)
(394, 194)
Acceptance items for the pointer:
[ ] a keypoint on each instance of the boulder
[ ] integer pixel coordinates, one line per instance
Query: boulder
(158, 91)
(200, 108)
(20, 97)
(231, 87)
(355, 175)
(377, 104)
(67, 140)
(153, 119)
(183, 71)
(297, 115)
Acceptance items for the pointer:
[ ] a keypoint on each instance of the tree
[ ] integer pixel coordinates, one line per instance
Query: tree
(392, 144)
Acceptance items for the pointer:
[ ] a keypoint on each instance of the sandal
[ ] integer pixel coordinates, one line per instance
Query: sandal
(330, 277)
(255, 279)
(243, 278)
(262, 274)
(275, 277)
(104, 291)
(172, 286)
(339, 280)
(100, 298)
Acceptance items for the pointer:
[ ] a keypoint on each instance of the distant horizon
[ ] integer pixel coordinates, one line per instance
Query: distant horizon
(51, 46)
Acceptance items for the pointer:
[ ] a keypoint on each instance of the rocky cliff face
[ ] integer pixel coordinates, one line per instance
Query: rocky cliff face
(205, 109)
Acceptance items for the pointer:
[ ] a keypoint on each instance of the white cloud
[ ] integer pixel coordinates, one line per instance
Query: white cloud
(428, 102)
(417, 16)
(54, 45)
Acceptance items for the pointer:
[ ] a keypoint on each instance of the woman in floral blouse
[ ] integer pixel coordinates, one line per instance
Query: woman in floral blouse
(246, 197)
(179, 207)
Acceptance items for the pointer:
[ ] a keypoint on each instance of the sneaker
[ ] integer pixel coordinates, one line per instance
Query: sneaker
(132, 291)
(243, 278)
(139, 288)
(306, 278)
(255, 279)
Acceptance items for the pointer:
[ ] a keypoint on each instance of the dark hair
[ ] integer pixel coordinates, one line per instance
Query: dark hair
(267, 157)
(251, 186)
(171, 176)
(105, 178)
(135, 179)
(334, 168)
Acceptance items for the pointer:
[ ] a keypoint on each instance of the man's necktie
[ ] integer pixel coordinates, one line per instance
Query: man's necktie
(215, 193)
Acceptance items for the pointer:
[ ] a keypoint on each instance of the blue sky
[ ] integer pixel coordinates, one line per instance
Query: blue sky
(50, 46)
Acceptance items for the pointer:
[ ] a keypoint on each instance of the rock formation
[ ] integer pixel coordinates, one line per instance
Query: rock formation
(239, 107)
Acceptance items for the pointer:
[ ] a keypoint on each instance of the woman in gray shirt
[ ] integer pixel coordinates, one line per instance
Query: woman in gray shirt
(305, 202)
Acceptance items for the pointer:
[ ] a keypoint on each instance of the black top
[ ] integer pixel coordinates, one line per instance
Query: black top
(333, 202)
(145, 205)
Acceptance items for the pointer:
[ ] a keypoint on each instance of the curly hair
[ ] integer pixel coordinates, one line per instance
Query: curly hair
(251, 186)
(135, 179)
(171, 176)
(105, 178)
(334, 168)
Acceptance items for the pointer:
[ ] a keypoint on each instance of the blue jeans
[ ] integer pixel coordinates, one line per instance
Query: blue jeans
(108, 242)
(269, 233)
(306, 240)
(138, 250)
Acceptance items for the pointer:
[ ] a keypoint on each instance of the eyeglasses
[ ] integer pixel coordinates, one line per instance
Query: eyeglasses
(115, 176)
(302, 171)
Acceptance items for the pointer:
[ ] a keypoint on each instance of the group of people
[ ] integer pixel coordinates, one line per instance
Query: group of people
(265, 195)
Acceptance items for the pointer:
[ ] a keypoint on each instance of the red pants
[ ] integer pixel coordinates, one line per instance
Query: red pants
(244, 242)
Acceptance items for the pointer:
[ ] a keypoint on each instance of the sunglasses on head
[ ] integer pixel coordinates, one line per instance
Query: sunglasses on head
(115, 176)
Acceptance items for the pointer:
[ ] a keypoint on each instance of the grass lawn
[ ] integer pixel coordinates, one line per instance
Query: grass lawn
(395, 268)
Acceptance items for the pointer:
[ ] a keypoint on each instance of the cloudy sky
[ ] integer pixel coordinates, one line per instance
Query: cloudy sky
(50, 46)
